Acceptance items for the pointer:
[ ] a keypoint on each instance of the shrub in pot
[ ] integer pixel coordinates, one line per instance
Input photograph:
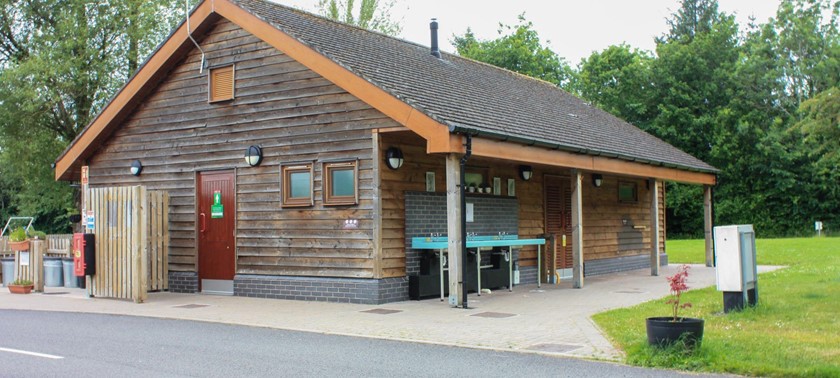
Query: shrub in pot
(668, 330)
(18, 240)
(21, 286)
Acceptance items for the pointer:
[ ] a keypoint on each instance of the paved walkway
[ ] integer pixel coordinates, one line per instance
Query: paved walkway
(554, 319)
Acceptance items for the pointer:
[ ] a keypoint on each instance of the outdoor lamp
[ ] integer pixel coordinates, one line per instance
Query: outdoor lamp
(253, 156)
(526, 172)
(394, 158)
(597, 180)
(136, 168)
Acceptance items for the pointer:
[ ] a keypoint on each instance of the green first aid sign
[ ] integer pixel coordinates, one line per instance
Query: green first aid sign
(217, 210)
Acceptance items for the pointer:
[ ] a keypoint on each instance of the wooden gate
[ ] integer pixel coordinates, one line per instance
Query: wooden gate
(132, 241)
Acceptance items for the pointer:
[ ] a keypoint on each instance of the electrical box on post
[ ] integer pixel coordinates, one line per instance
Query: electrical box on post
(736, 272)
(84, 255)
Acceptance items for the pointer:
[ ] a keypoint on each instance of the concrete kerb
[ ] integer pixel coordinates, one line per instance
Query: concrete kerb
(554, 320)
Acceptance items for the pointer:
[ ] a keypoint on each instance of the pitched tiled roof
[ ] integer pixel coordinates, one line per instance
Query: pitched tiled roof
(474, 97)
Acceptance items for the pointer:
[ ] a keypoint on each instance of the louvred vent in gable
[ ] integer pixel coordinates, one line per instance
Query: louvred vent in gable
(221, 83)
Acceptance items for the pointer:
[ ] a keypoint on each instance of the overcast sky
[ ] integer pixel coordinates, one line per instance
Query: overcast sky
(574, 28)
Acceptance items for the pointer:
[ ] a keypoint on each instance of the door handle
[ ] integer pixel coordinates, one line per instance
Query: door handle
(203, 222)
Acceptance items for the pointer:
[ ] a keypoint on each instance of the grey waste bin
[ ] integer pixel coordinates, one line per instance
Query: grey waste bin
(8, 270)
(70, 280)
(53, 272)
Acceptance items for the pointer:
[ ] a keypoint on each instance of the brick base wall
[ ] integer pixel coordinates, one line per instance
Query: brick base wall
(343, 290)
(183, 282)
(620, 264)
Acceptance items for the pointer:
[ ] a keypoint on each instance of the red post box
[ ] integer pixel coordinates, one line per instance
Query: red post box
(84, 263)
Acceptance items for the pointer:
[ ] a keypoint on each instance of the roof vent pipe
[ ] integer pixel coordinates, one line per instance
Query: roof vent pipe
(434, 27)
(189, 34)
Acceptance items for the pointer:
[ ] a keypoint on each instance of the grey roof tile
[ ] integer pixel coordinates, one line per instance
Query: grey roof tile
(474, 97)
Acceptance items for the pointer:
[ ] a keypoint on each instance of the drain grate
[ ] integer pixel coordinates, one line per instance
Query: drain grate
(629, 292)
(191, 306)
(554, 348)
(494, 315)
(57, 293)
(381, 311)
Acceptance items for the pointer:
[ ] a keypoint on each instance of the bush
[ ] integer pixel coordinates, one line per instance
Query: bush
(18, 235)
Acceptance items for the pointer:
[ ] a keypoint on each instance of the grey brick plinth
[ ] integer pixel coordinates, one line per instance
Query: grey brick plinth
(183, 282)
(322, 289)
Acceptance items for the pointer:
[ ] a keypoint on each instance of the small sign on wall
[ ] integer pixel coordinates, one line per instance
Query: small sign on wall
(90, 220)
(24, 258)
(470, 212)
(217, 210)
(430, 181)
(351, 224)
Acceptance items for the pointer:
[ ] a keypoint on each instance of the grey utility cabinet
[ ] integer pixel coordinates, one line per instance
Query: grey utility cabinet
(735, 266)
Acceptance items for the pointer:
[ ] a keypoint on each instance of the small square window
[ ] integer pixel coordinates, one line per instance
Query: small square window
(221, 84)
(341, 183)
(627, 192)
(296, 185)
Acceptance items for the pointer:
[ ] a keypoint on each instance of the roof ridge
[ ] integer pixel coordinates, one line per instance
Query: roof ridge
(417, 44)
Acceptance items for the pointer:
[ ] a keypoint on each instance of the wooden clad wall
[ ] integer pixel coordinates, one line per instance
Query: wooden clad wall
(605, 233)
(294, 115)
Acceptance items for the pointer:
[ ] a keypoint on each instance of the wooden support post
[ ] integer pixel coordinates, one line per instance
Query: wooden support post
(453, 221)
(139, 245)
(654, 227)
(577, 228)
(708, 224)
(377, 207)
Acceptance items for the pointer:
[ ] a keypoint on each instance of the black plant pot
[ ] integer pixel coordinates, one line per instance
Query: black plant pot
(663, 331)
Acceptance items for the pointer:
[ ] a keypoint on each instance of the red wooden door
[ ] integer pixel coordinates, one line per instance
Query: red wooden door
(558, 217)
(216, 226)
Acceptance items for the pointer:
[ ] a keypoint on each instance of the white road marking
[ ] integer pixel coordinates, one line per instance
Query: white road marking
(18, 351)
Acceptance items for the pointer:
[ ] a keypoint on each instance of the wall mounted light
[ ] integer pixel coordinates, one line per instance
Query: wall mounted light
(253, 156)
(136, 168)
(597, 180)
(526, 172)
(394, 158)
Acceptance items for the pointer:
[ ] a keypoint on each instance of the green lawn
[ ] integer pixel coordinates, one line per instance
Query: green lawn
(794, 331)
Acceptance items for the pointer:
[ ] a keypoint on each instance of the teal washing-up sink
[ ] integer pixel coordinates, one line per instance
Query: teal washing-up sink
(441, 242)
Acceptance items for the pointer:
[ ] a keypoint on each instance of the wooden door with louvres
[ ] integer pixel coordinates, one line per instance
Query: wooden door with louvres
(558, 219)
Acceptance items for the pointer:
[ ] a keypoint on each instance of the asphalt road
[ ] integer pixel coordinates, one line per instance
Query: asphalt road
(82, 345)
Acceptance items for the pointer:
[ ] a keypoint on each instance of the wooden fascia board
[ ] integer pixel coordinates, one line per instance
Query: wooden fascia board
(535, 155)
(133, 91)
(435, 133)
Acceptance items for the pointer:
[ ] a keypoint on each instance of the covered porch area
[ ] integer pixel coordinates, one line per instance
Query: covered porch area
(597, 214)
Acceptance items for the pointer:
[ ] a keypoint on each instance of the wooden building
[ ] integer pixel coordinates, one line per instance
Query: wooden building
(317, 213)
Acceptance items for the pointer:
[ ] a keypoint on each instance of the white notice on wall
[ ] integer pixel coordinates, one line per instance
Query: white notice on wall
(24, 258)
(470, 213)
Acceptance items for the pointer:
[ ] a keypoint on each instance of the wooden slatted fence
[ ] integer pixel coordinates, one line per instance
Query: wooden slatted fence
(29, 265)
(59, 245)
(132, 242)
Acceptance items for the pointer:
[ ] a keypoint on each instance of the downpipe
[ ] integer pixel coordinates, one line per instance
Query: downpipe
(463, 186)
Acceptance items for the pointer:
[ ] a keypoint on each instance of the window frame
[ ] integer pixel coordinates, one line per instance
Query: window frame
(632, 185)
(210, 86)
(326, 172)
(285, 185)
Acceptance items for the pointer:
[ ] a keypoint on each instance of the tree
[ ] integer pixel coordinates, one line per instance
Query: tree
(694, 85)
(518, 48)
(619, 81)
(60, 62)
(694, 17)
(808, 47)
(370, 14)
